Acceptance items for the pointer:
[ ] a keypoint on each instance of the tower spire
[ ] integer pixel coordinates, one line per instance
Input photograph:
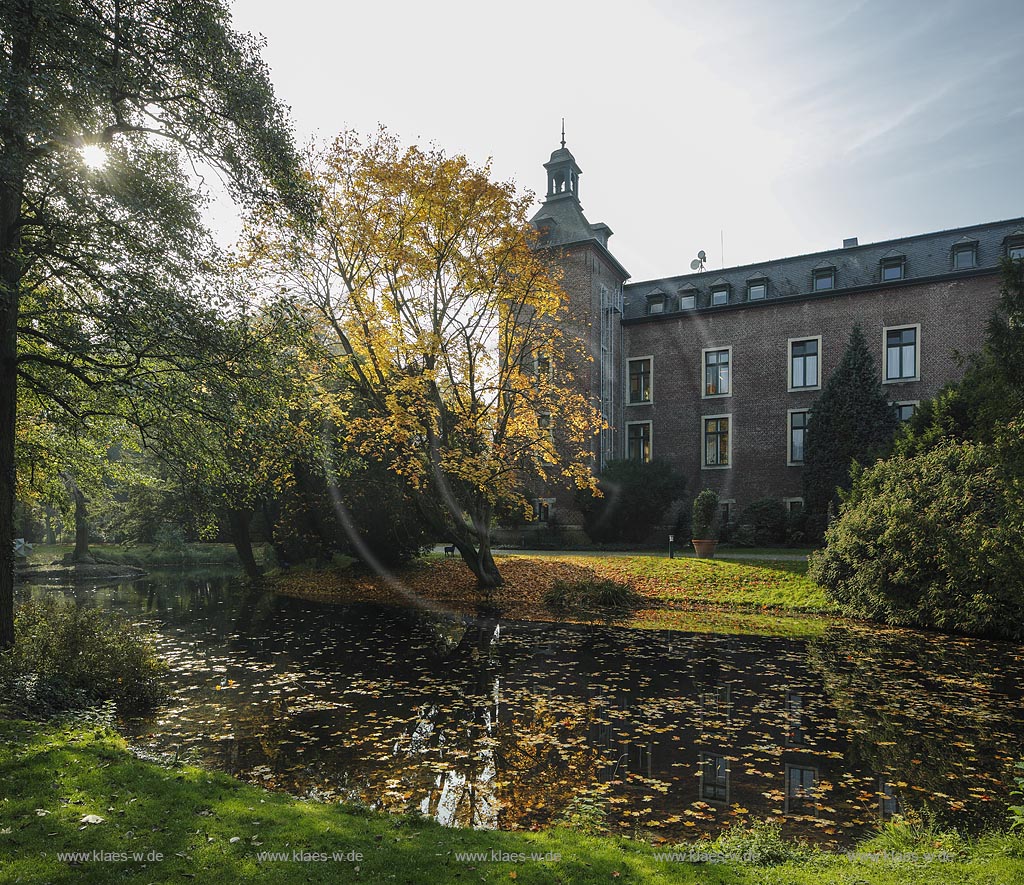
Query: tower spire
(563, 131)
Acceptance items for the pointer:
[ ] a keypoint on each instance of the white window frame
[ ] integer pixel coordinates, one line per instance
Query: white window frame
(703, 452)
(683, 296)
(728, 778)
(817, 786)
(703, 373)
(716, 289)
(788, 502)
(650, 382)
(886, 263)
(821, 273)
(963, 248)
(650, 440)
(1015, 247)
(789, 437)
(905, 402)
(539, 505)
(789, 363)
(885, 353)
(728, 503)
(753, 284)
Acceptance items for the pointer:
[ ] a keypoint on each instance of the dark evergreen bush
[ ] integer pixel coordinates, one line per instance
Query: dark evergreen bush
(636, 497)
(934, 540)
(767, 519)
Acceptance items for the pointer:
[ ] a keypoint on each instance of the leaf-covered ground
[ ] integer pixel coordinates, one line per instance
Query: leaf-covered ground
(682, 593)
(77, 789)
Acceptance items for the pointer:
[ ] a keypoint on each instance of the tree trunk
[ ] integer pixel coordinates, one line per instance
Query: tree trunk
(81, 552)
(238, 525)
(12, 185)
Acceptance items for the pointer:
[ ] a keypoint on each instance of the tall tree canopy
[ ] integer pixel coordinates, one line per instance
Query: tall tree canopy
(420, 272)
(102, 265)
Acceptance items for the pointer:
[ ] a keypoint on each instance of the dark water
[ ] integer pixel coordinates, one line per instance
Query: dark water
(511, 724)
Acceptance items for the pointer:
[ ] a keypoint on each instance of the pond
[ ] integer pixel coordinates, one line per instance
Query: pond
(495, 723)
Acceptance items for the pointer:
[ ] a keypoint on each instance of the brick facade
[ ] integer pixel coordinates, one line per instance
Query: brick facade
(941, 288)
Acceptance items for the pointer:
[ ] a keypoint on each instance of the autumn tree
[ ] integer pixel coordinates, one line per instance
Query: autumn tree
(421, 275)
(101, 266)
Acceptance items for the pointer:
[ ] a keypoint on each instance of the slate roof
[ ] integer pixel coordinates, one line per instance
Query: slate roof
(925, 257)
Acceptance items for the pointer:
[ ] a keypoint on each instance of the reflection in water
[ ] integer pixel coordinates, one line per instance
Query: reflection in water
(504, 724)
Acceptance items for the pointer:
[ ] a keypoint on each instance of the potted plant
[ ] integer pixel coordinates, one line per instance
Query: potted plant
(705, 524)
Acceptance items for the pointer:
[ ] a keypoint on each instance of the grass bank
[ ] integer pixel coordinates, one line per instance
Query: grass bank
(147, 556)
(76, 789)
(770, 597)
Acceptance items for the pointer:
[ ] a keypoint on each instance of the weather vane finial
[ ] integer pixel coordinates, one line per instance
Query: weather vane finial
(563, 132)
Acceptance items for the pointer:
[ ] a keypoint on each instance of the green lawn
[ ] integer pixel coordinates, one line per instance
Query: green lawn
(747, 584)
(148, 556)
(208, 827)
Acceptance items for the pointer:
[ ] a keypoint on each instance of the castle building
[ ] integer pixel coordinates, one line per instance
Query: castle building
(716, 371)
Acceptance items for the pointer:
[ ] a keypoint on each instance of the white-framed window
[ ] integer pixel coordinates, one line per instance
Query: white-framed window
(801, 784)
(641, 380)
(793, 505)
(688, 301)
(655, 304)
(965, 256)
(638, 441)
(543, 508)
(757, 290)
(717, 442)
(714, 778)
(901, 351)
(1015, 251)
(796, 436)
(892, 269)
(905, 410)
(804, 363)
(824, 278)
(717, 369)
(719, 295)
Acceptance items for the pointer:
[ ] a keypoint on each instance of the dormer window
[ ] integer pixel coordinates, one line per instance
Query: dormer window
(1015, 246)
(757, 290)
(688, 297)
(720, 295)
(656, 303)
(965, 256)
(892, 268)
(824, 279)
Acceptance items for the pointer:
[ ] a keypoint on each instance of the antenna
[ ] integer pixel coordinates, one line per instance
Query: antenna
(563, 132)
(698, 262)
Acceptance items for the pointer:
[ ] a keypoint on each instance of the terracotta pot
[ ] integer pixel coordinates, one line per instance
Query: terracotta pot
(705, 549)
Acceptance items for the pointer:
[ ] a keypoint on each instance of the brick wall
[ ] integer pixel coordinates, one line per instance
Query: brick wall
(953, 316)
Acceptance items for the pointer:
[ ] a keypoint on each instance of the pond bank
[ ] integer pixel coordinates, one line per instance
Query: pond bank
(207, 827)
(773, 597)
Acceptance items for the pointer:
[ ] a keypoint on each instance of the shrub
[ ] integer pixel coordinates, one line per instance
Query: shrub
(705, 516)
(761, 841)
(590, 594)
(635, 499)
(66, 657)
(933, 540)
(1017, 811)
(768, 520)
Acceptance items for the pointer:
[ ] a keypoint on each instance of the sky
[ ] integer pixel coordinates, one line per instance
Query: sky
(774, 128)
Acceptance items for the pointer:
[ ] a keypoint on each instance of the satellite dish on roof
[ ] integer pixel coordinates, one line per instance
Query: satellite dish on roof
(698, 262)
(695, 264)
(702, 255)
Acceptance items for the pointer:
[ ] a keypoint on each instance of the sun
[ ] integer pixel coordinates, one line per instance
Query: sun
(94, 156)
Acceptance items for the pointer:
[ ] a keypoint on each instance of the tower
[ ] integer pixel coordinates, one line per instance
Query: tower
(593, 279)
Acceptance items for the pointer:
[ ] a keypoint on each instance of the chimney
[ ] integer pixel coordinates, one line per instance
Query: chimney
(849, 242)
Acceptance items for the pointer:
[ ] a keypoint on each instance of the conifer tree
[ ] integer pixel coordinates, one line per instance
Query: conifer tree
(851, 421)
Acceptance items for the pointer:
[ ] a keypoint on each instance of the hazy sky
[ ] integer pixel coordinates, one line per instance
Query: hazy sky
(787, 125)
